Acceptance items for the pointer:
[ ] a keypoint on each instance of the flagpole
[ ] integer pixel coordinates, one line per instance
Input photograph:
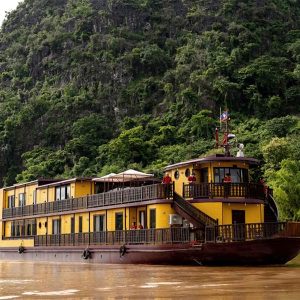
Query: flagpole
(227, 153)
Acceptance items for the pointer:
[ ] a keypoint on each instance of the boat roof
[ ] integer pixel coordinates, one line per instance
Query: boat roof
(213, 158)
(65, 181)
(39, 182)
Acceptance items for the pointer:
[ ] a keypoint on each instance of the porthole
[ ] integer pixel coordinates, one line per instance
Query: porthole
(187, 172)
(176, 174)
(40, 225)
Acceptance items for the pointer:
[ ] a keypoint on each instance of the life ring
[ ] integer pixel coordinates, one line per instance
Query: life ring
(86, 253)
(21, 249)
(122, 250)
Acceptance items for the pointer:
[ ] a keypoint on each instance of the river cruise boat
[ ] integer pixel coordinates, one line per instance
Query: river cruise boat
(206, 211)
(132, 218)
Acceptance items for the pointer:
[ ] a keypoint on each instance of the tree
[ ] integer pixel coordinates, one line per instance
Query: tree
(286, 184)
(275, 152)
(200, 125)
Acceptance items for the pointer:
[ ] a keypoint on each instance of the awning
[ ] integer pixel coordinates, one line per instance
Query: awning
(128, 175)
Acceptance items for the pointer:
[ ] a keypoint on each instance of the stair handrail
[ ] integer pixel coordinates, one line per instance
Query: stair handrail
(194, 211)
(272, 204)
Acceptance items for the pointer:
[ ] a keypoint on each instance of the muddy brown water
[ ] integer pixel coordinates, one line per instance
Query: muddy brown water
(41, 280)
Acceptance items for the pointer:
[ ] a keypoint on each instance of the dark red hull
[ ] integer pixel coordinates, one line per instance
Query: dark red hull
(258, 252)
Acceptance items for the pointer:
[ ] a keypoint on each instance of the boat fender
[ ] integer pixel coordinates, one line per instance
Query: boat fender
(86, 253)
(122, 250)
(21, 249)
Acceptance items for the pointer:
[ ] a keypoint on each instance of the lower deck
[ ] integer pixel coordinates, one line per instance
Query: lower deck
(173, 235)
(239, 244)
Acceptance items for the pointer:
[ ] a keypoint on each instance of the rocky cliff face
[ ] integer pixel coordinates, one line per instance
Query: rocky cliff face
(70, 66)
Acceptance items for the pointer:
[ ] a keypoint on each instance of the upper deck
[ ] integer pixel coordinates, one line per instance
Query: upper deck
(154, 193)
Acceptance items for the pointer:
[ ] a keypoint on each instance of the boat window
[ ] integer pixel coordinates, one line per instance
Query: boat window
(18, 230)
(33, 228)
(72, 229)
(28, 229)
(34, 197)
(142, 218)
(23, 228)
(12, 229)
(204, 175)
(57, 193)
(11, 201)
(153, 218)
(119, 221)
(176, 174)
(99, 221)
(56, 226)
(187, 172)
(22, 200)
(62, 192)
(238, 175)
(80, 224)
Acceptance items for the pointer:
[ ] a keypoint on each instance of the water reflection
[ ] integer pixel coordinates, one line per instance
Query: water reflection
(28, 280)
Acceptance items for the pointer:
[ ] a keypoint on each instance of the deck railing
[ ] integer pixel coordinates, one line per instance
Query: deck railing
(213, 234)
(243, 232)
(120, 237)
(223, 190)
(122, 196)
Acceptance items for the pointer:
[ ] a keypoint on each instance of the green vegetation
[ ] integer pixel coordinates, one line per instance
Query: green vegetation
(89, 87)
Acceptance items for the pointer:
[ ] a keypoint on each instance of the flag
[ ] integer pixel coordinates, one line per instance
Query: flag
(224, 116)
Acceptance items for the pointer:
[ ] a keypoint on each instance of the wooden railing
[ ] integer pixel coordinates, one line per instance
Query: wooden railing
(143, 236)
(122, 196)
(243, 232)
(223, 190)
(213, 234)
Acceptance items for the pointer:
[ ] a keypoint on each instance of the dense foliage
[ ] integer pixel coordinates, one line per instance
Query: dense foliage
(88, 86)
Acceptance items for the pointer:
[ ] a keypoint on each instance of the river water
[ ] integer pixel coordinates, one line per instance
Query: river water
(38, 280)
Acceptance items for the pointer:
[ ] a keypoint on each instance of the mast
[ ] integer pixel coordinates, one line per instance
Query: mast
(224, 129)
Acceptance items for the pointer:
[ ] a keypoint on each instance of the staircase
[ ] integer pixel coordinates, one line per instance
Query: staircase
(195, 216)
(271, 211)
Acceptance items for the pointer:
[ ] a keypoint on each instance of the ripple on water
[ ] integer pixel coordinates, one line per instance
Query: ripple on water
(15, 281)
(165, 283)
(104, 289)
(214, 284)
(8, 297)
(53, 293)
(150, 285)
